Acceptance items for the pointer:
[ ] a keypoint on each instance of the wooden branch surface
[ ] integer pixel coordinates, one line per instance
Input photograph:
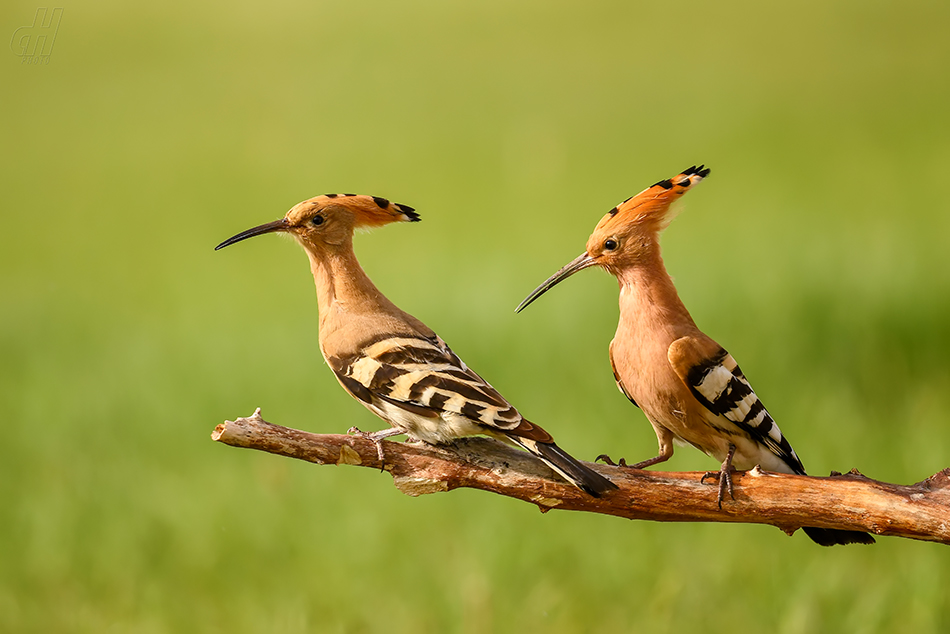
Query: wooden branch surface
(850, 501)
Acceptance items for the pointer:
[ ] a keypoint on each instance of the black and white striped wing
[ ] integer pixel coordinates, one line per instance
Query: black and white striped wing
(719, 385)
(424, 377)
(422, 388)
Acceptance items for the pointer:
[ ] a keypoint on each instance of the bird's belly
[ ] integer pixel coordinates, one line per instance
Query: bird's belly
(433, 430)
(688, 426)
(698, 434)
(713, 438)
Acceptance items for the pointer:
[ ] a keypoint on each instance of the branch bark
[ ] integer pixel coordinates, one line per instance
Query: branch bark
(851, 501)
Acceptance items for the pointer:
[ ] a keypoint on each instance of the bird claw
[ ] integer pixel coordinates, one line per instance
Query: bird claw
(377, 440)
(622, 463)
(724, 476)
(725, 484)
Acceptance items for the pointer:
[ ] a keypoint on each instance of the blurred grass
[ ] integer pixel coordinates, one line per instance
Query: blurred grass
(816, 253)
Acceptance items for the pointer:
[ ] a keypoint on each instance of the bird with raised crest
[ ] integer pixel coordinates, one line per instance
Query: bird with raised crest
(690, 389)
(390, 361)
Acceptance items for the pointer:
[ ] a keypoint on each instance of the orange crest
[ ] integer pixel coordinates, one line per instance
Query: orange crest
(651, 207)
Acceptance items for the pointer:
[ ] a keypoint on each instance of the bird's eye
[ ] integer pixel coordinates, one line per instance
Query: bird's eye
(610, 244)
(316, 220)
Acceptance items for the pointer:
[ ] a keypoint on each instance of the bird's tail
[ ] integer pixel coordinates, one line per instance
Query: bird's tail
(834, 537)
(569, 468)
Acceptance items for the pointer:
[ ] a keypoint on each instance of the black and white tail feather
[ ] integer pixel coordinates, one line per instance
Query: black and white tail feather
(418, 385)
(721, 387)
(565, 464)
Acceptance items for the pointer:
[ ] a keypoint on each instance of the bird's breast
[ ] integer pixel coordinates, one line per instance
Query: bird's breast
(645, 375)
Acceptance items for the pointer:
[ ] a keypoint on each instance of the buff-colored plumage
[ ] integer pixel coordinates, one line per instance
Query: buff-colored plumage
(391, 362)
(690, 389)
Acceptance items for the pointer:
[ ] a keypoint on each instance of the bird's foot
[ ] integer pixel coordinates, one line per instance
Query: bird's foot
(724, 476)
(623, 463)
(725, 484)
(377, 438)
(606, 460)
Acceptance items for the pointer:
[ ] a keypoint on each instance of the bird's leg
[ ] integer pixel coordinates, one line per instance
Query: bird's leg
(623, 462)
(724, 475)
(665, 438)
(376, 436)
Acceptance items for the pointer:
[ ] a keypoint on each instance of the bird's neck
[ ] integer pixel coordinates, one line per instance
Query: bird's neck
(649, 303)
(343, 288)
(352, 310)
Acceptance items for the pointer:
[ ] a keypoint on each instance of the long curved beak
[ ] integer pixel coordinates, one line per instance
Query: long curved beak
(259, 230)
(579, 263)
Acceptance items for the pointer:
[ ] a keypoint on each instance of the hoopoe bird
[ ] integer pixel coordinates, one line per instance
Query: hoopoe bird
(690, 389)
(390, 361)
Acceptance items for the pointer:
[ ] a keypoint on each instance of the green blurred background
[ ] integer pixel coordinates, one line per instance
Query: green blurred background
(816, 253)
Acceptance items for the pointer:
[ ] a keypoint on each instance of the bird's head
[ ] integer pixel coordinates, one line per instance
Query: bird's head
(628, 231)
(329, 220)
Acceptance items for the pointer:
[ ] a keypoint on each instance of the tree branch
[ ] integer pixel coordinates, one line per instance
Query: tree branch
(850, 501)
